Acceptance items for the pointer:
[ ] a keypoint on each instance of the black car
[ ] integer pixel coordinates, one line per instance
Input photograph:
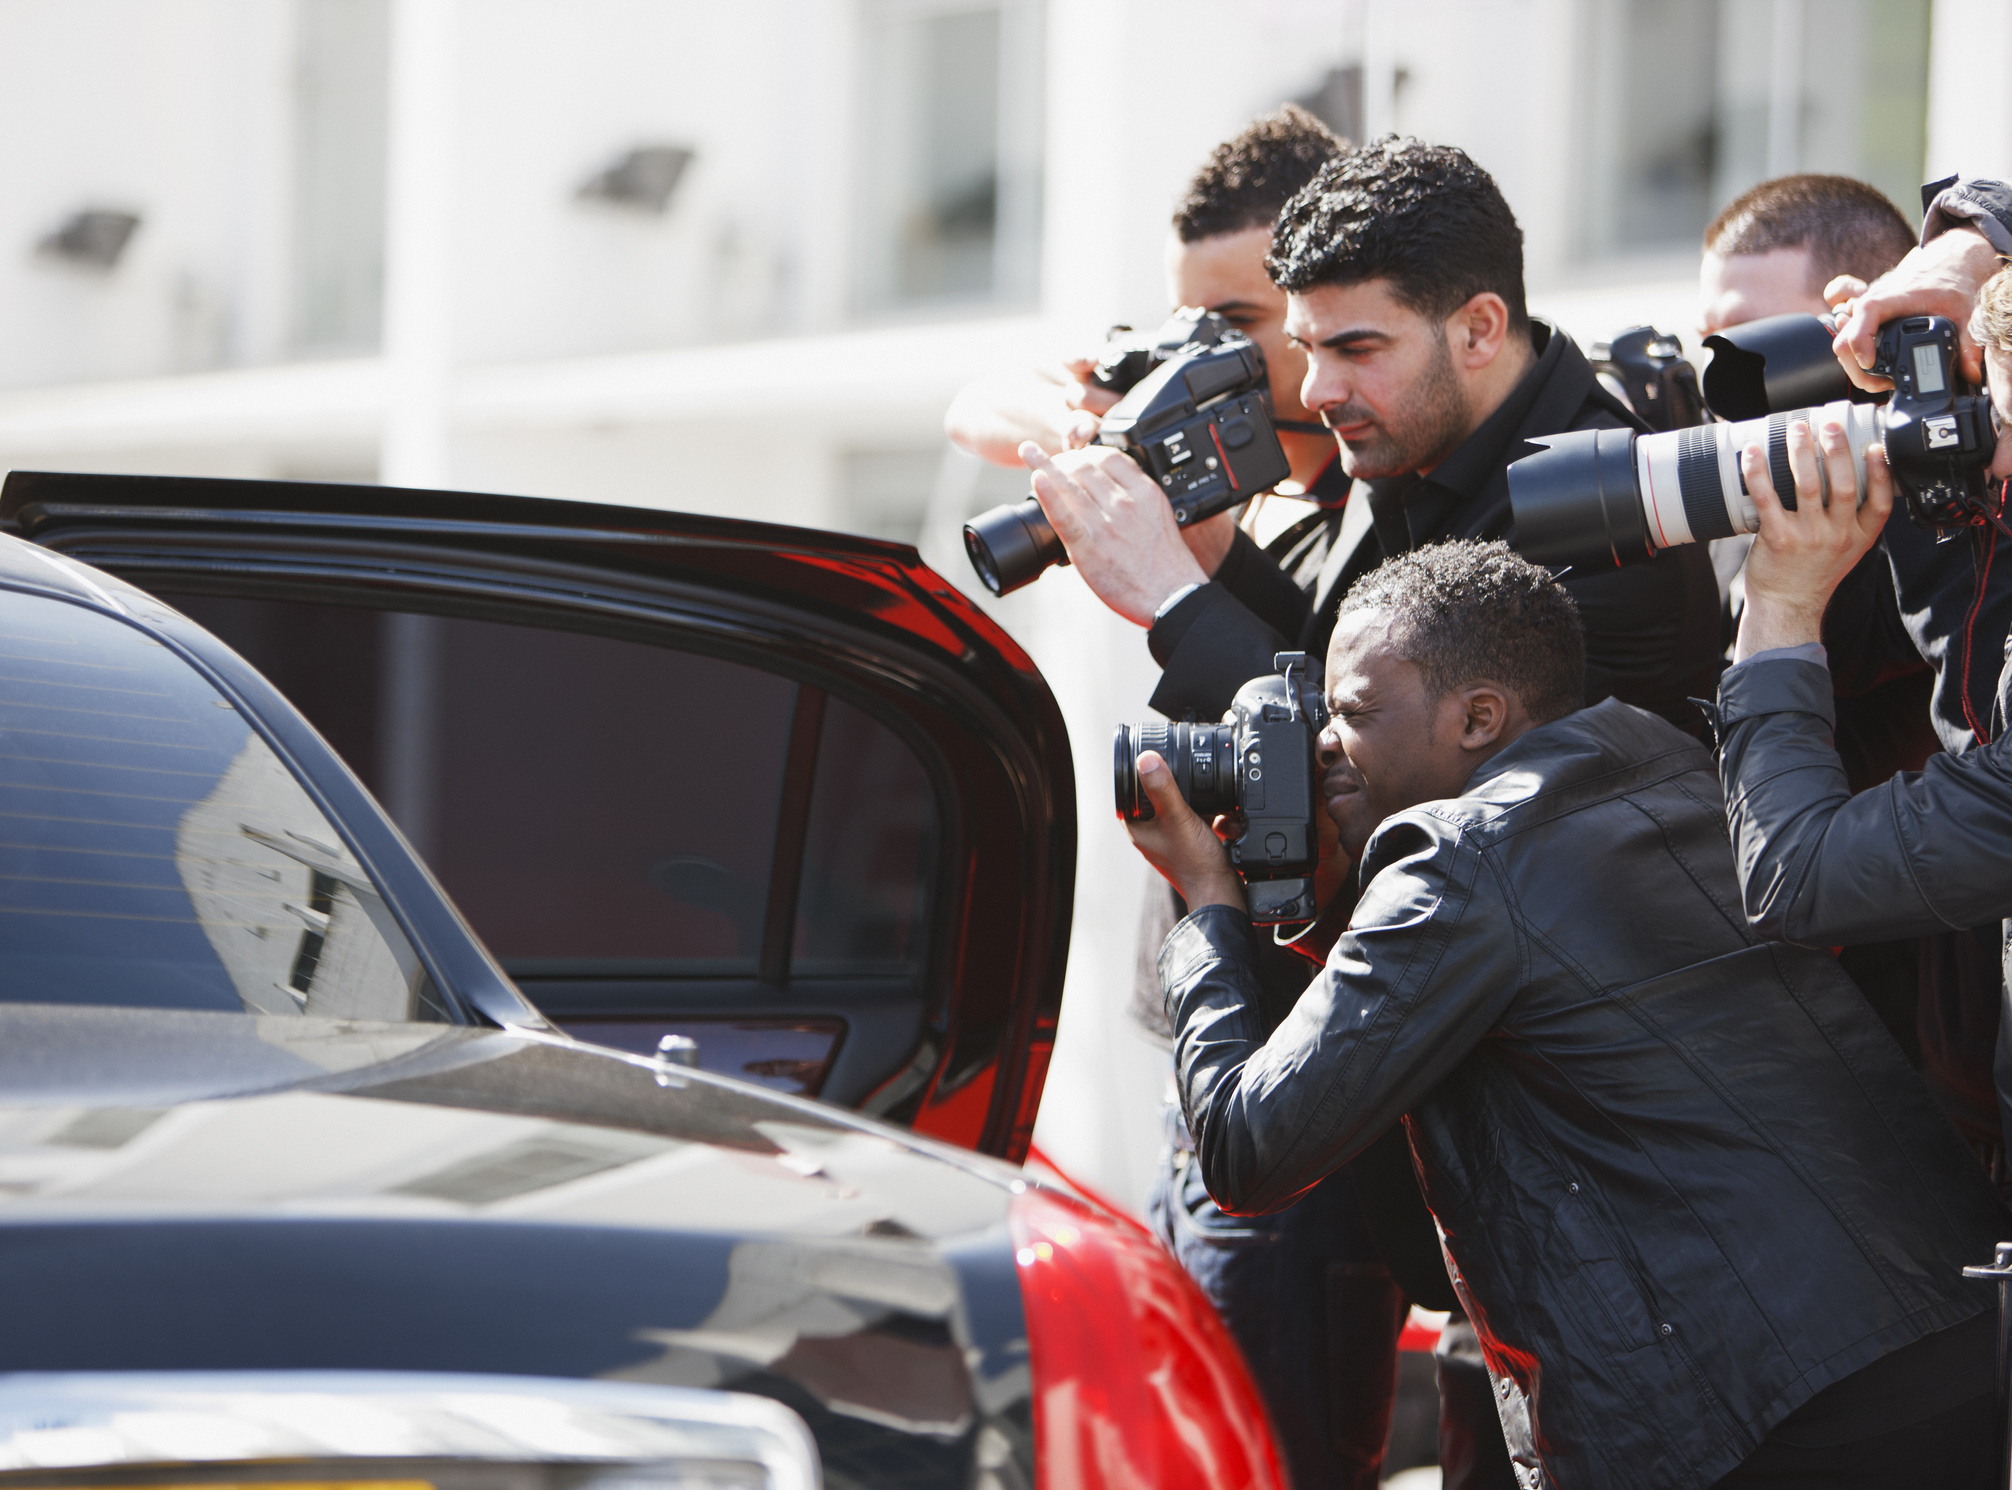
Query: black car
(277, 1127)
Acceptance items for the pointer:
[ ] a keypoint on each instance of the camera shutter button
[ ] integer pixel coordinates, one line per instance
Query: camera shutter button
(1237, 433)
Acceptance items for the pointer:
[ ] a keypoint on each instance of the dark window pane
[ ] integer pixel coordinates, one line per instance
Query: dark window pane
(600, 807)
(869, 853)
(604, 799)
(155, 852)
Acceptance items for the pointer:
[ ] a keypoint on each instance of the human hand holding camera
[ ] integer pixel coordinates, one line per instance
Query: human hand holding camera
(1801, 555)
(1117, 527)
(1187, 851)
(1940, 278)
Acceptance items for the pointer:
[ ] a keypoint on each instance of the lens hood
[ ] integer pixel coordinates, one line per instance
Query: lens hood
(1575, 501)
(1774, 365)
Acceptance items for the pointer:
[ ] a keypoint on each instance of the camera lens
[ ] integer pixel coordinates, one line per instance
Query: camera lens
(1011, 545)
(1199, 755)
(1609, 496)
(1577, 500)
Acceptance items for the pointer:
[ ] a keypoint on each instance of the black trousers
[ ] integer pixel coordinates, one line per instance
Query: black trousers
(1954, 1450)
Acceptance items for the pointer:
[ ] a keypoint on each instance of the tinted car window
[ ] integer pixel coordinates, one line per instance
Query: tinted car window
(155, 852)
(586, 797)
(868, 851)
(604, 807)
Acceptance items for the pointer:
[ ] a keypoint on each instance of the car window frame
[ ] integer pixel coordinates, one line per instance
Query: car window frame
(867, 606)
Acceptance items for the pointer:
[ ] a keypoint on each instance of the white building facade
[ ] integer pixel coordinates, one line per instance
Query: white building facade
(736, 259)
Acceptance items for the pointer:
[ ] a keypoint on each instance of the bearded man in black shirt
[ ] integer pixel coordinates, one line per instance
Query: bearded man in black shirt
(1403, 268)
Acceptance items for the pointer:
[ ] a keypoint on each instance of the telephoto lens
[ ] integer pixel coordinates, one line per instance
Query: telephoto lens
(1777, 362)
(1611, 496)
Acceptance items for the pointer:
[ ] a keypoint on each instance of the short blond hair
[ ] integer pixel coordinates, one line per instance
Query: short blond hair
(1992, 324)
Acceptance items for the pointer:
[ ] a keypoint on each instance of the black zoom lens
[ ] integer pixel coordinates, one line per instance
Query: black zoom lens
(1011, 545)
(1201, 756)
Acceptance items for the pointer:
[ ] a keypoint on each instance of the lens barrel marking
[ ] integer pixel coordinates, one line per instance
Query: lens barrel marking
(1698, 483)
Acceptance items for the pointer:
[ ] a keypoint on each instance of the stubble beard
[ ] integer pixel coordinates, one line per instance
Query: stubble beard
(1426, 427)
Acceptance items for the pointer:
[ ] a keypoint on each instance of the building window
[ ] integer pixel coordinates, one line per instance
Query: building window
(950, 154)
(1694, 103)
(340, 115)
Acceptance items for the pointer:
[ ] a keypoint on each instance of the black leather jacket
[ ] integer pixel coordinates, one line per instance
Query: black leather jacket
(1684, 1179)
(1927, 851)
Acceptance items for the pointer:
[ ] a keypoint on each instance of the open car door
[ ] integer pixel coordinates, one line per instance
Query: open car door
(784, 793)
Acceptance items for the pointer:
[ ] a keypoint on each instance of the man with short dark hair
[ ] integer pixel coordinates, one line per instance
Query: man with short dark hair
(1776, 246)
(1709, 1225)
(1403, 268)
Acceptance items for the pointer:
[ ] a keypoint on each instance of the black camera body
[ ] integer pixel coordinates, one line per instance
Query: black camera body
(1128, 356)
(1938, 431)
(1261, 761)
(1199, 422)
(1649, 368)
(1201, 425)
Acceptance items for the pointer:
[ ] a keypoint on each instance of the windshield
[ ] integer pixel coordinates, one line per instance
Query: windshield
(155, 853)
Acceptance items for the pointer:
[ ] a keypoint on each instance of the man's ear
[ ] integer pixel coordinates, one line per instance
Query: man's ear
(1484, 715)
(1476, 331)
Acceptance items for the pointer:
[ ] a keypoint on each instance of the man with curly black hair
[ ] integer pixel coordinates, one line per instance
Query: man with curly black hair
(1709, 1225)
(1403, 268)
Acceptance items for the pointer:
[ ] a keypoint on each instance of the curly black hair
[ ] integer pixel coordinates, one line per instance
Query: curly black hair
(1466, 611)
(1424, 217)
(1848, 226)
(1250, 176)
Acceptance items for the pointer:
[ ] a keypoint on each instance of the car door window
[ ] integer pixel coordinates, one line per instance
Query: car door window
(595, 805)
(868, 853)
(155, 852)
(650, 839)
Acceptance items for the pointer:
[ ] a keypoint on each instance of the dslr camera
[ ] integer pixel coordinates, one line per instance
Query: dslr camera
(1613, 496)
(1197, 419)
(1647, 370)
(1261, 761)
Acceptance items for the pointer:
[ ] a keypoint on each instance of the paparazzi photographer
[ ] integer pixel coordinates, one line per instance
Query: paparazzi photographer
(1958, 620)
(1897, 678)
(1709, 1225)
(1926, 852)
(1403, 272)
